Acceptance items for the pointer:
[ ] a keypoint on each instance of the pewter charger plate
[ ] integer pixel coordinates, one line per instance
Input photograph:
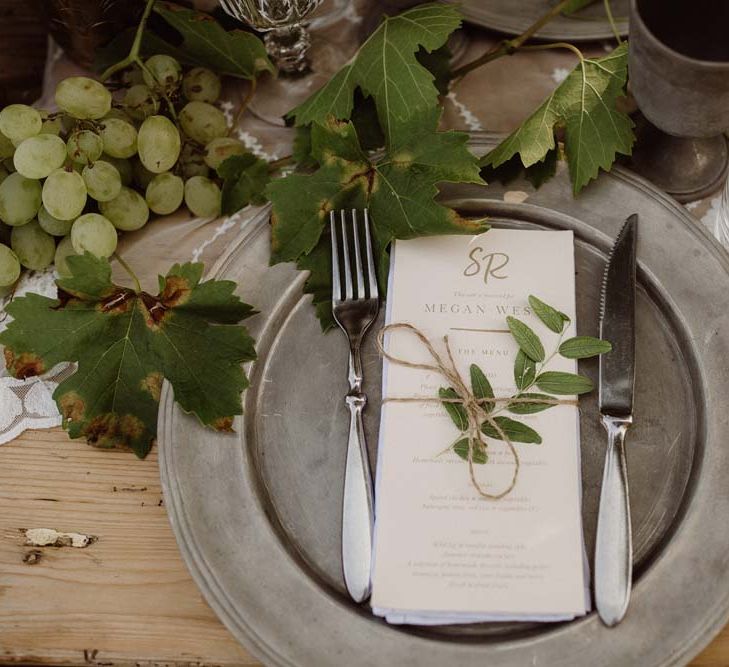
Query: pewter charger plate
(515, 16)
(257, 513)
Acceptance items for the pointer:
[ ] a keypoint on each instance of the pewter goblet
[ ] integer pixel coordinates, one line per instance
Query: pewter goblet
(287, 39)
(679, 76)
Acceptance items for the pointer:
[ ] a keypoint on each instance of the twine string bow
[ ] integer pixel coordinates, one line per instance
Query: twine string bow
(476, 414)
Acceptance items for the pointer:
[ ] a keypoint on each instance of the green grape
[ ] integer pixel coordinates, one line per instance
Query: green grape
(192, 161)
(103, 181)
(201, 85)
(35, 249)
(132, 76)
(124, 167)
(38, 156)
(140, 102)
(220, 149)
(158, 144)
(85, 147)
(165, 193)
(63, 251)
(4, 173)
(19, 121)
(52, 123)
(119, 137)
(6, 147)
(162, 71)
(64, 194)
(9, 266)
(51, 225)
(142, 175)
(127, 212)
(93, 233)
(20, 199)
(203, 197)
(83, 98)
(203, 122)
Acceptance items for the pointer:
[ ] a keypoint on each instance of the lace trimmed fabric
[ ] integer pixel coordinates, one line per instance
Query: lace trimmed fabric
(26, 404)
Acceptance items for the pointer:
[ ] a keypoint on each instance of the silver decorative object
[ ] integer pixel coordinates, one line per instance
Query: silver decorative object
(287, 39)
(257, 514)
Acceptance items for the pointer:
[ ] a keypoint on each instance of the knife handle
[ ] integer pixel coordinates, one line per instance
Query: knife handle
(614, 546)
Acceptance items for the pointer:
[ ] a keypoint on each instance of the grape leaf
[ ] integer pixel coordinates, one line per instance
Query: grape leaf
(126, 343)
(399, 188)
(386, 68)
(245, 178)
(585, 105)
(203, 42)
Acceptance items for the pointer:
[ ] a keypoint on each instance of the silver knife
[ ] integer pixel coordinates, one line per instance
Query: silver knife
(613, 547)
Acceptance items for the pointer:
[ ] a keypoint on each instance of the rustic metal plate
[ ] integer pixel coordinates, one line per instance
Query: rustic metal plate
(514, 18)
(257, 513)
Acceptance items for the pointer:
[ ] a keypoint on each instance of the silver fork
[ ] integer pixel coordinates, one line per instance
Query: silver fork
(355, 308)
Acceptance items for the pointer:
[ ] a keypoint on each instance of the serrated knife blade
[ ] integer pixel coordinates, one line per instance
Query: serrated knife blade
(613, 545)
(617, 324)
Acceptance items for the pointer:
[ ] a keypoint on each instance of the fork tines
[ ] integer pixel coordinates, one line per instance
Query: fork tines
(358, 286)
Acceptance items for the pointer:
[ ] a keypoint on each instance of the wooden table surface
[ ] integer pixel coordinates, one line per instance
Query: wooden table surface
(127, 598)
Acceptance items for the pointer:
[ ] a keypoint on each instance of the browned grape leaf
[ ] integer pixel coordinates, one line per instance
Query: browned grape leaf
(125, 343)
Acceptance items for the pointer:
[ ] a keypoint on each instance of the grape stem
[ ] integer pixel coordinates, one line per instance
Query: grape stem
(129, 270)
(133, 57)
(244, 105)
(281, 162)
(508, 46)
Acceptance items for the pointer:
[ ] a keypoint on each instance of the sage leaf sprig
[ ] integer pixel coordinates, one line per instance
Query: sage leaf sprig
(530, 371)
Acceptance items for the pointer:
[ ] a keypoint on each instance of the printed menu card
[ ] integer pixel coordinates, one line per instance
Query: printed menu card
(443, 553)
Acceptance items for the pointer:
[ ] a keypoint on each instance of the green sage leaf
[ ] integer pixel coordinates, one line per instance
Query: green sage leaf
(584, 347)
(527, 340)
(481, 387)
(514, 430)
(525, 371)
(551, 317)
(479, 451)
(456, 411)
(558, 382)
(530, 408)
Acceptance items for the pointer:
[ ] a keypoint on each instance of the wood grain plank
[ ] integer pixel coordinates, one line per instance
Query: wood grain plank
(125, 599)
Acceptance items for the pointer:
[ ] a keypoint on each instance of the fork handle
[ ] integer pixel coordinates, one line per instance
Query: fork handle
(357, 506)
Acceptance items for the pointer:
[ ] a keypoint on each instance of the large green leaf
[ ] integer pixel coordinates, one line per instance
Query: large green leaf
(481, 387)
(386, 68)
(399, 188)
(525, 370)
(203, 42)
(551, 317)
(585, 105)
(126, 343)
(524, 408)
(245, 178)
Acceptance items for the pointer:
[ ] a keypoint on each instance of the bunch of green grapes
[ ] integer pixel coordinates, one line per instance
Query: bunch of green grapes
(72, 179)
